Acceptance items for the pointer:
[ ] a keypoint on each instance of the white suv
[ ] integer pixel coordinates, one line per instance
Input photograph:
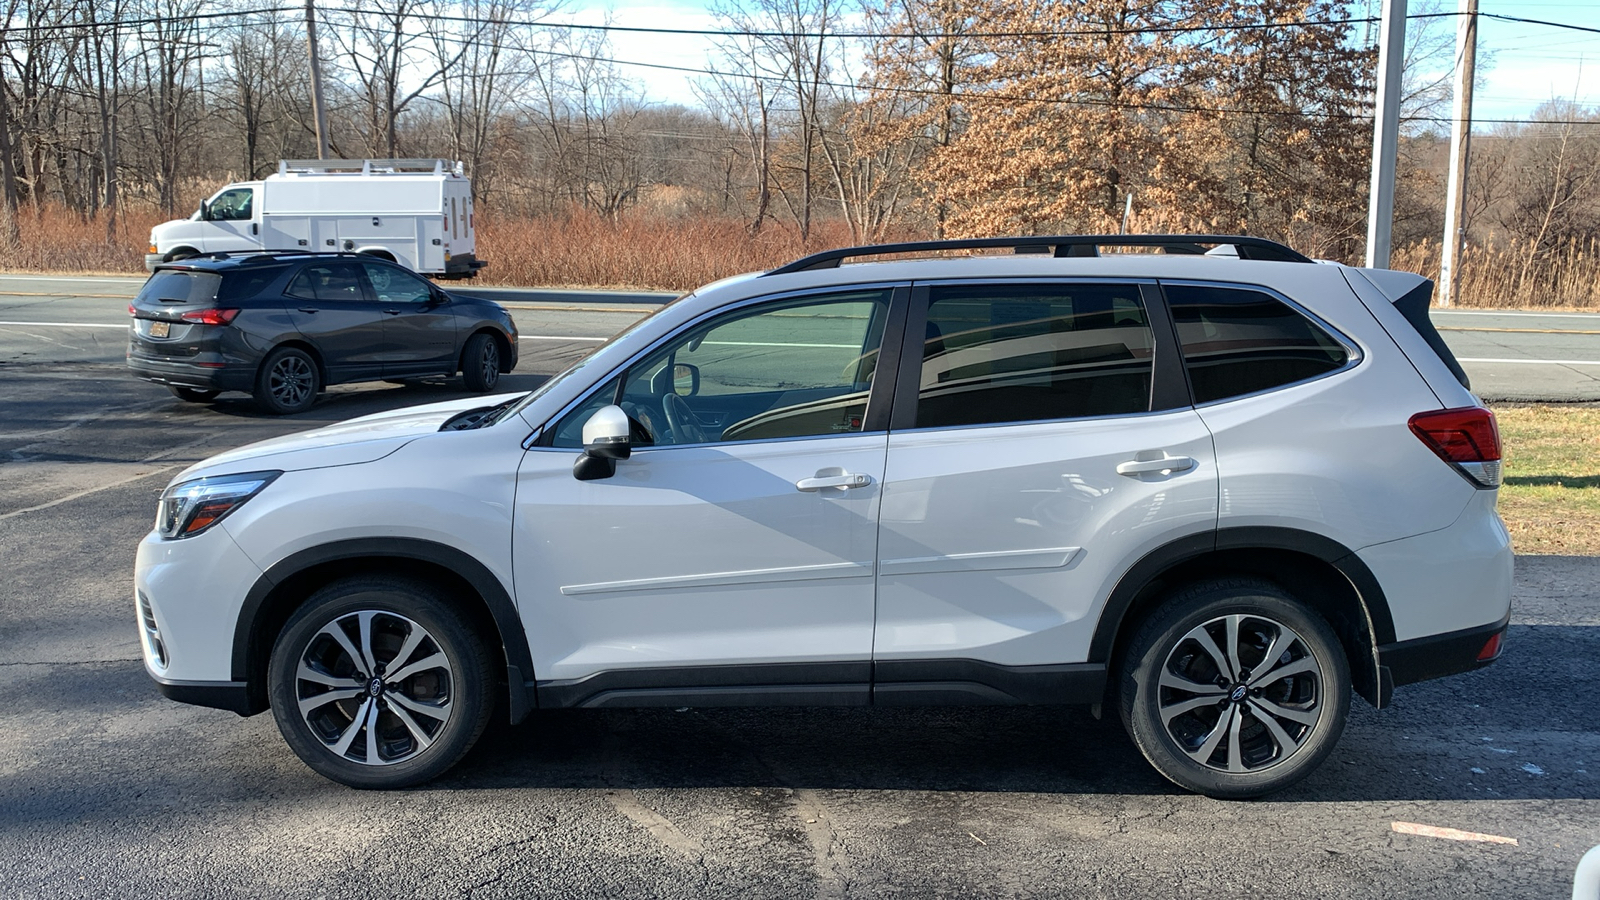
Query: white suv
(1218, 492)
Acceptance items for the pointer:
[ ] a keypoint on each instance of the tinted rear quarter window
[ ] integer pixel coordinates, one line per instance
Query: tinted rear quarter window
(244, 285)
(1238, 341)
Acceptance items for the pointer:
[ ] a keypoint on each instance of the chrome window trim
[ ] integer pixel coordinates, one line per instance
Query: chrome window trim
(1355, 355)
(549, 423)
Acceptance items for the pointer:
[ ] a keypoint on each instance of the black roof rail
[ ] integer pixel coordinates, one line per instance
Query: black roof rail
(253, 257)
(1059, 245)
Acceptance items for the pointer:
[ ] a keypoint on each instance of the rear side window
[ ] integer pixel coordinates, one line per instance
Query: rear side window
(1237, 341)
(1033, 352)
(244, 285)
(175, 286)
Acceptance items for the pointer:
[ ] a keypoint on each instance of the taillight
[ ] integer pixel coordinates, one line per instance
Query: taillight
(1491, 648)
(1466, 438)
(210, 316)
(132, 311)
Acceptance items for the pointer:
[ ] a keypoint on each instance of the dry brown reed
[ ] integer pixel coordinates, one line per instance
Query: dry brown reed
(676, 253)
(1515, 277)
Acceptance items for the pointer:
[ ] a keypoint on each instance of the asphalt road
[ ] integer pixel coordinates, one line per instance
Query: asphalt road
(107, 789)
(1508, 355)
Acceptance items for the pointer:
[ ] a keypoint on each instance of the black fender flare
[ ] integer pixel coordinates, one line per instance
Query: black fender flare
(1380, 622)
(507, 621)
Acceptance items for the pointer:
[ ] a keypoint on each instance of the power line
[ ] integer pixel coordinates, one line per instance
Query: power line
(1067, 101)
(8, 29)
(872, 35)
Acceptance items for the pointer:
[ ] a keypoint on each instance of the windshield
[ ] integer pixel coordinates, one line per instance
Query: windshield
(576, 367)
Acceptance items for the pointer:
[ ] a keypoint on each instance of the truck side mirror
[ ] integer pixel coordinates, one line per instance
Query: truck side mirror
(205, 211)
(606, 439)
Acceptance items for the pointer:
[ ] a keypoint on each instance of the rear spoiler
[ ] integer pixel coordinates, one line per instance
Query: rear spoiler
(1415, 296)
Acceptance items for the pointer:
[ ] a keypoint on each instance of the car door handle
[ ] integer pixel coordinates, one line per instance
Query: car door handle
(391, 312)
(843, 481)
(1159, 464)
(308, 309)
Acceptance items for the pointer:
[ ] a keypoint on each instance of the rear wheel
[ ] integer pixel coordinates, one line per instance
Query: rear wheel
(1234, 689)
(192, 395)
(480, 363)
(287, 382)
(378, 683)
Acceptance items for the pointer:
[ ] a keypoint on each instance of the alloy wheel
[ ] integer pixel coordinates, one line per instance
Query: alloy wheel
(1241, 693)
(291, 380)
(375, 687)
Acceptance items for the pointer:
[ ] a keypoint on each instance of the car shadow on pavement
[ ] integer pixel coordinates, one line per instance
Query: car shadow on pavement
(1508, 732)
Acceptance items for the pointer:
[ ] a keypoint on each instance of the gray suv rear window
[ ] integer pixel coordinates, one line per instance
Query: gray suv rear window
(1238, 341)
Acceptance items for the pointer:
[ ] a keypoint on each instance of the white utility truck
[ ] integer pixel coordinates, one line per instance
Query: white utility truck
(416, 212)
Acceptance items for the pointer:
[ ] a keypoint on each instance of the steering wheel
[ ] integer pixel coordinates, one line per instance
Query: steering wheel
(681, 421)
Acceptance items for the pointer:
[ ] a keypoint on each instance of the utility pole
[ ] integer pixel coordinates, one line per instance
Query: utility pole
(1460, 149)
(1385, 132)
(318, 113)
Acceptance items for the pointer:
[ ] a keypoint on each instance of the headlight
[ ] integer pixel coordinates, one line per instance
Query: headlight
(191, 507)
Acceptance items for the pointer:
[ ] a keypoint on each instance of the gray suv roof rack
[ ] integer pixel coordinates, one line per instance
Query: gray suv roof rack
(1059, 245)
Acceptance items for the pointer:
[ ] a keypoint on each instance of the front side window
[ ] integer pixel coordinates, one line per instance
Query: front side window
(794, 368)
(1033, 352)
(233, 205)
(391, 285)
(1238, 341)
(331, 282)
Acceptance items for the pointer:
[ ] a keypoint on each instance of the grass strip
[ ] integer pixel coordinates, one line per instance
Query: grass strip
(1551, 498)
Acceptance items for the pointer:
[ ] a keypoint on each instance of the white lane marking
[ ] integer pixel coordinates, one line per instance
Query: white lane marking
(559, 337)
(66, 324)
(1533, 362)
(94, 490)
(1450, 834)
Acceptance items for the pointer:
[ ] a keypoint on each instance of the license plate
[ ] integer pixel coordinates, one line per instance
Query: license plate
(160, 329)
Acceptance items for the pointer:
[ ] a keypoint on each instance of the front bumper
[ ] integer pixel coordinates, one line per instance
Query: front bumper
(233, 696)
(151, 260)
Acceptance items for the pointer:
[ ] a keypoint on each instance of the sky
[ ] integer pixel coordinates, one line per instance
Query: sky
(1520, 65)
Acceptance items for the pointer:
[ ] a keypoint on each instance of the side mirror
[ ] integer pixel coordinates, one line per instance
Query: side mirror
(685, 380)
(605, 440)
(205, 211)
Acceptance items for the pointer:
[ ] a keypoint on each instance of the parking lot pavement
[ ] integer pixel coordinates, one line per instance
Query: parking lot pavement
(108, 789)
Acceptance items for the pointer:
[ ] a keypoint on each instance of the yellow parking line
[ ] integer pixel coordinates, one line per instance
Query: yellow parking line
(1515, 330)
(600, 309)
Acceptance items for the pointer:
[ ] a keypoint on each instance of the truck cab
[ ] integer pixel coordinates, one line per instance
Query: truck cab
(227, 221)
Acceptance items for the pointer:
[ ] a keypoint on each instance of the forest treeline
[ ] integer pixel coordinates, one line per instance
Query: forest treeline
(817, 121)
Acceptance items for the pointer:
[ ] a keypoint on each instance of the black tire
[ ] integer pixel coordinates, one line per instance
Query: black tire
(192, 395)
(287, 382)
(1286, 724)
(182, 253)
(377, 733)
(480, 363)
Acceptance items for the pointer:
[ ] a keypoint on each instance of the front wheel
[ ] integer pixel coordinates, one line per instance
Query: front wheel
(378, 683)
(1234, 689)
(480, 363)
